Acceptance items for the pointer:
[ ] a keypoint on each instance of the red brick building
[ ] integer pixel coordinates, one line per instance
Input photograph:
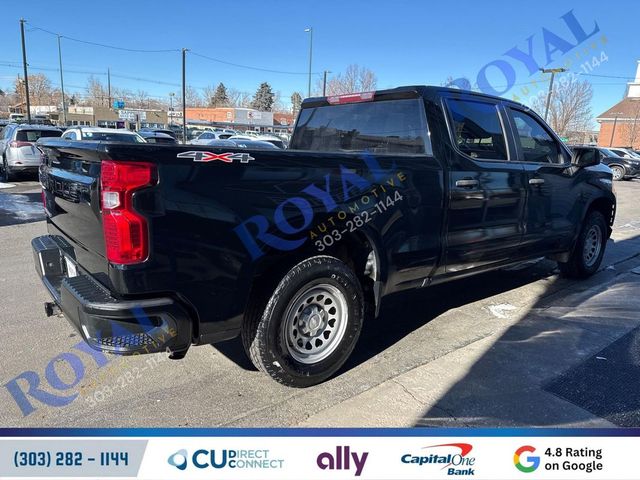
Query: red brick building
(620, 125)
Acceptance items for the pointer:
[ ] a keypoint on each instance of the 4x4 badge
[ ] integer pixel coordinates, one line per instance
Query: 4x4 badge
(229, 157)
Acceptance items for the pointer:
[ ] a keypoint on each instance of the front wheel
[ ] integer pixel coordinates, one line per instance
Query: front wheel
(589, 249)
(618, 172)
(309, 326)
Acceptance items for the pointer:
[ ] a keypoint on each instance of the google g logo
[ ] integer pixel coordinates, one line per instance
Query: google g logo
(531, 463)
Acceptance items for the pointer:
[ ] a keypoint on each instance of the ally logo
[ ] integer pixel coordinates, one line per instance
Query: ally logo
(531, 462)
(178, 459)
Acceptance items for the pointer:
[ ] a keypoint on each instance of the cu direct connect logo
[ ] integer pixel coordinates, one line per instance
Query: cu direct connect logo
(526, 463)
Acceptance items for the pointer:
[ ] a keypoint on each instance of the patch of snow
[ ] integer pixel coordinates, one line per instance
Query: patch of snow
(501, 310)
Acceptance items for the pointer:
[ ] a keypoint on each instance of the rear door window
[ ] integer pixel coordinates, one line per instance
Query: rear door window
(389, 126)
(34, 135)
(477, 129)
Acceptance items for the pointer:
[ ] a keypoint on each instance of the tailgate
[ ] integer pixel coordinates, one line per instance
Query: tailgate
(70, 173)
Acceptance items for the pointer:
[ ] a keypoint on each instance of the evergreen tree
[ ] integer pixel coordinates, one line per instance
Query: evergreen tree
(263, 98)
(220, 97)
(296, 102)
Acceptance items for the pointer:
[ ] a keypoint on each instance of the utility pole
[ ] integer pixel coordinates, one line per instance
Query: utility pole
(324, 83)
(109, 85)
(310, 32)
(64, 107)
(184, 96)
(553, 72)
(26, 73)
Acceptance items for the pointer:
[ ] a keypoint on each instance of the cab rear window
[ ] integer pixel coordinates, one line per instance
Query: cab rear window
(389, 126)
(34, 135)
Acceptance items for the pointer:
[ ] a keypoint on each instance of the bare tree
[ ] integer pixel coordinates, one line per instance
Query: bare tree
(354, 79)
(570, 107)
(140, 99)
(97, 93)
(208, 94)
(40, 90)
(238, 98)
(193, 98)
(631, 130)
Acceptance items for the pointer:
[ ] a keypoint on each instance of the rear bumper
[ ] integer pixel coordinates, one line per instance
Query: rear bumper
(105, 322)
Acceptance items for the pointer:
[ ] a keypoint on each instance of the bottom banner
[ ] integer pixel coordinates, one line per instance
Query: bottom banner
(320, 454)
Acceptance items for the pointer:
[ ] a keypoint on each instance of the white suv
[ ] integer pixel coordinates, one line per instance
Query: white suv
(18, 152)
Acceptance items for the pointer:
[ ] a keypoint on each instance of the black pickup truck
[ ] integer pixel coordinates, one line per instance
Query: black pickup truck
(157, 248)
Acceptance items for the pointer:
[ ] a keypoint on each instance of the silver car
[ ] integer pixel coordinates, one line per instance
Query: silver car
(18, 152)
(205, 137)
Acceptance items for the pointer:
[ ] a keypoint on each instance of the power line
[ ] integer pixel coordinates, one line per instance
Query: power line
(104, 45)
(250, 67)
(137, 50)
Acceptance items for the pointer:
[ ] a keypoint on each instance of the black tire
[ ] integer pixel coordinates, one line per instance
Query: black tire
(618, 172)
(267, 328)
(581, 264)
(5, 175)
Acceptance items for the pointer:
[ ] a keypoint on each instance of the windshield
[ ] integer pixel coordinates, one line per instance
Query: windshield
(390, 126)
(608, 153)
(34, 135)
(113, 137)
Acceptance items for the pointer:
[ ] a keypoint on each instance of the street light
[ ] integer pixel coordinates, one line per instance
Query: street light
(310, 32)
(553, 72)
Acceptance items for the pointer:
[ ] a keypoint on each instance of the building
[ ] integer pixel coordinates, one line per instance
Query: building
(116, 118)
(620, 125)
(240, 118)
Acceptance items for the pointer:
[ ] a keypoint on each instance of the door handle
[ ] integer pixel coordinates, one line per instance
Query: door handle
(467, 183)
(536, 181)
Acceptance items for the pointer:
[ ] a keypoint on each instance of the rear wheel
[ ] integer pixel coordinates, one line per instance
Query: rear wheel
(310, 324)
(5, 174)
(618, 172)
(589, 249)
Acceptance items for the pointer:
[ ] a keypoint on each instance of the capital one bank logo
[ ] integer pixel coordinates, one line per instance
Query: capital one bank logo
(453, 458)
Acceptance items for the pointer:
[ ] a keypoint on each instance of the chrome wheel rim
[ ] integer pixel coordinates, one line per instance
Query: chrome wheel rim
(617, 173)
(315, 322)
(592, 245)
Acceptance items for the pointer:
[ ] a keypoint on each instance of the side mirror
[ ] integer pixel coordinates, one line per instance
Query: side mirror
(585, 157)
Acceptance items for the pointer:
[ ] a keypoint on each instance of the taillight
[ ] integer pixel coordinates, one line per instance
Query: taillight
(126, 233)
(17, 143)
(351, 98)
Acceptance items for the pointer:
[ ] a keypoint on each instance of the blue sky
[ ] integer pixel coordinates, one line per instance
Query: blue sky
(403, 42)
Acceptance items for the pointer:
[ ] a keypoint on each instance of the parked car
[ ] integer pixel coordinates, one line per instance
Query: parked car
(275, 140)
(207, 136)
(157, 137)
(380, 192)
(625, 153)
(241, 144)
(254, 144)
(262, 138)
(102, 135)
(166, 131)
(18, 152)
(622, 168)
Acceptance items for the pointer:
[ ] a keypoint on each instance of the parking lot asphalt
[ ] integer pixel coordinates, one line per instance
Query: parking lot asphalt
(510, 348)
